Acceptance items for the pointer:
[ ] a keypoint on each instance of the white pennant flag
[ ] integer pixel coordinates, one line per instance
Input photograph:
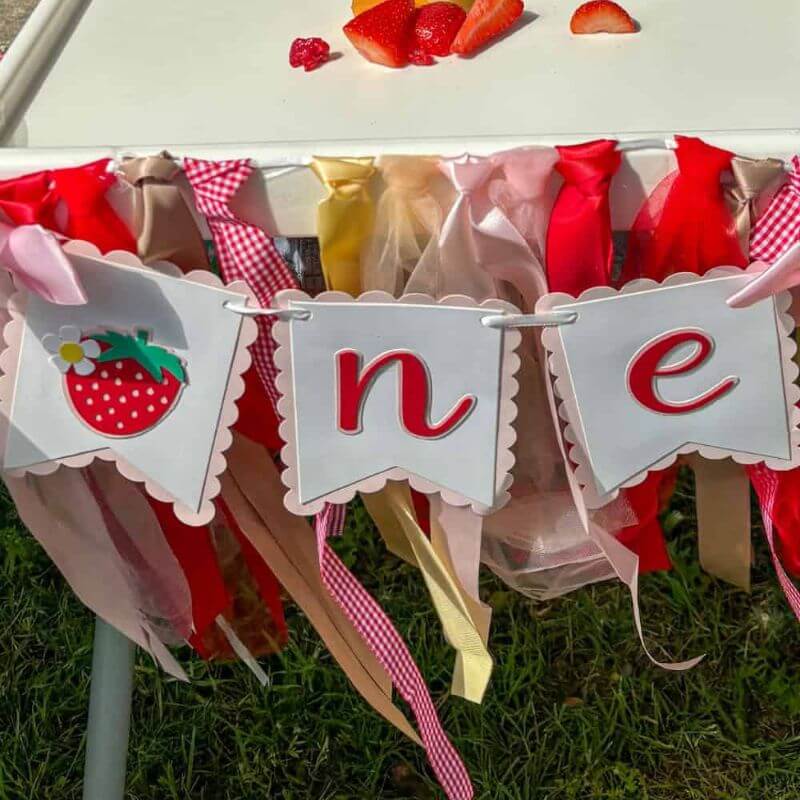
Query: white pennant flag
(655, 370)
(379, 389)
(146, 374)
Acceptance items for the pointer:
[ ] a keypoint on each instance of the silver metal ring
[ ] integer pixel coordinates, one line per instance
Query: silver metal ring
(547, 319)
(283, 314)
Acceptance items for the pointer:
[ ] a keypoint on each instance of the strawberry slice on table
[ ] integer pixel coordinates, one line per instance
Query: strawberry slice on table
(602, 16)
(133, 386)
(486, 20)
(382, 34)
(436, 26)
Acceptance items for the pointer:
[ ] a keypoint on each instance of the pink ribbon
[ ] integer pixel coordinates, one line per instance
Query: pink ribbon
(34, 256)
(782, 275)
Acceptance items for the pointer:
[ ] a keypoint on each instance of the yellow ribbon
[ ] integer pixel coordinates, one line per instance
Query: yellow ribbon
(344, 219)
(392, 511)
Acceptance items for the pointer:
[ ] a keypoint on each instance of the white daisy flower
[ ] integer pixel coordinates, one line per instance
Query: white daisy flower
(69, 351)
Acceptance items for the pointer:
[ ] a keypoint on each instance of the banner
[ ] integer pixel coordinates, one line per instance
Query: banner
(654, 370)
(380, 389)
(145, 374)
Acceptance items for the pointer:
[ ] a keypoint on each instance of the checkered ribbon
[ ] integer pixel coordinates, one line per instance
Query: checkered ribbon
(245, 252)
(765, 483)
(389, 648)
(779, 227)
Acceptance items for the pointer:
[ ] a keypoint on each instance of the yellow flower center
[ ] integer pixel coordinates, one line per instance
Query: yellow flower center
(71, 352)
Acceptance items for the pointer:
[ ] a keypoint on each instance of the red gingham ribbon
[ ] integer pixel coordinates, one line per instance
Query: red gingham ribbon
(245, 251)
(779, 227)
(389, 648)
(765, 483)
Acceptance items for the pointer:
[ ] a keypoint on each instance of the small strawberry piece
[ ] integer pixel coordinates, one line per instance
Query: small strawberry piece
(486, 20)
(601, 16)
(309, 53)
(133, 387)
(382, 34)
(436, 26)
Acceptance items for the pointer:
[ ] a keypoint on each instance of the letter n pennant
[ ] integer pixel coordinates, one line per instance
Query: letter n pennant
(654, 370)
(379, 389)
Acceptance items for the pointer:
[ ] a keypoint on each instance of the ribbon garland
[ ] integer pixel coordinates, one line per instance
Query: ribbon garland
(489, 243)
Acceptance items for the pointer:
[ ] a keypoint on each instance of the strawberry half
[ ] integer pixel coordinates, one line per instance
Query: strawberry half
(382, 34)
(436, 26)
(486, 20)
(601, 16)
(133, 387)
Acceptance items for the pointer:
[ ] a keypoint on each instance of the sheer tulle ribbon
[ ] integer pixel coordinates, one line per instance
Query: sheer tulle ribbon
(407, 215)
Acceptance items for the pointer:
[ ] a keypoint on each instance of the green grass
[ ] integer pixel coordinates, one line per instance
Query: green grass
(574, 709)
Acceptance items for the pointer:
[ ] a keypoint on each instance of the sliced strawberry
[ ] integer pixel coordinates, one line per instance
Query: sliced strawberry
(382, 34)
(601, 16)
(486, 20)
(436, 26)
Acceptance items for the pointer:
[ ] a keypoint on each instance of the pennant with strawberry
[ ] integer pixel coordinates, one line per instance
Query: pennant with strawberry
(150, 370)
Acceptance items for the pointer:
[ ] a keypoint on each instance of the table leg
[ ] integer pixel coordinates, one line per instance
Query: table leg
(109, 714)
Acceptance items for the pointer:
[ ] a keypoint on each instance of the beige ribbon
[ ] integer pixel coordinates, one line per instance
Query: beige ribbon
(166, 228)
(253, 492)
(751, 178)
(392, 511)
(408, 214)
(722, 492)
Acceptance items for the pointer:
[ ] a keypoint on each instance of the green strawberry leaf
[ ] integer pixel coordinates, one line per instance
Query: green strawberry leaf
(156, 360)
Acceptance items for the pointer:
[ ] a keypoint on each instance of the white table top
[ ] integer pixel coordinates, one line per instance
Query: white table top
(89, 79)
(157, 72)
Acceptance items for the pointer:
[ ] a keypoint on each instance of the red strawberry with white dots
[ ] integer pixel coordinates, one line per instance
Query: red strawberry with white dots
(133, 386)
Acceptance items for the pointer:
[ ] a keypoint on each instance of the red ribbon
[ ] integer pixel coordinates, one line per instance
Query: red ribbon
(73, 202)
(82, 191)
(685, 225)
(580, 254)
(580, 249)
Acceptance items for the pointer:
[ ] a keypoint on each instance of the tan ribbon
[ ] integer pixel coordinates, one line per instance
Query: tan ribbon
(166, 229)
(722, 492)
(752, 177)
(253, 491)
(392, 511)
(344, 219)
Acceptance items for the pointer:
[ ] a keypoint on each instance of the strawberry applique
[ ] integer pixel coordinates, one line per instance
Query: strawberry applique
(119, 385)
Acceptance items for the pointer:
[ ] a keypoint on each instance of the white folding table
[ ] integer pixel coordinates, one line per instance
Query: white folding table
(110, 78)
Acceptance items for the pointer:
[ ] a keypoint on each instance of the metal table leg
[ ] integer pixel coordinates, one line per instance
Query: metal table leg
(109, 714)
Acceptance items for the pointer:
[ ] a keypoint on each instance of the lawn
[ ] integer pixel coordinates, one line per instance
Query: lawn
(574, 709)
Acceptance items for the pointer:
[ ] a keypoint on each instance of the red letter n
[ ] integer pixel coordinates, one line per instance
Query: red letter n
(414, 390)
